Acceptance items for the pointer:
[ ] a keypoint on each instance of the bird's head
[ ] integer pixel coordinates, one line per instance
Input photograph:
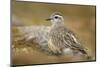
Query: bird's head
(56, 18)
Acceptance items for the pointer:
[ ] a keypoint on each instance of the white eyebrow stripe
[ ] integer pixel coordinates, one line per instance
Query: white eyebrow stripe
(58, 15)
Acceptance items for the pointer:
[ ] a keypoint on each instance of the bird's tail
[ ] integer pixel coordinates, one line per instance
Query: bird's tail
(88, 57)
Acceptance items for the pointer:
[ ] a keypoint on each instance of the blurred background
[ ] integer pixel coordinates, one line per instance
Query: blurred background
(78, 18)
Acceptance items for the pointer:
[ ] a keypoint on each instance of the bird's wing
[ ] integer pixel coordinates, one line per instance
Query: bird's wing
(72, 41)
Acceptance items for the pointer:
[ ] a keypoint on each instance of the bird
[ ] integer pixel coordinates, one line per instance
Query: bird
(61, 40)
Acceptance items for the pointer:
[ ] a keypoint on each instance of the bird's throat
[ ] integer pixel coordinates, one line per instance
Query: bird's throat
(58, 24)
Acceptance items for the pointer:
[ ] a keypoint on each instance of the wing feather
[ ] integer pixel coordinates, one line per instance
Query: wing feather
(72, 41)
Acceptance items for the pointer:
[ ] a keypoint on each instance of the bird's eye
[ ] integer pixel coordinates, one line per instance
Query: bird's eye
(56, 17)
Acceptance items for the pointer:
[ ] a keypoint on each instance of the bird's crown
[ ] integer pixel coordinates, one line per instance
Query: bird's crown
(56, 13)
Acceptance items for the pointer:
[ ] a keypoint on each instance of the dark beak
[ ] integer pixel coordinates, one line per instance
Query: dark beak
(48, 19)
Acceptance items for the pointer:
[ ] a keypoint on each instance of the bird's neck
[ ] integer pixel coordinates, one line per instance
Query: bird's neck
(58, 24)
